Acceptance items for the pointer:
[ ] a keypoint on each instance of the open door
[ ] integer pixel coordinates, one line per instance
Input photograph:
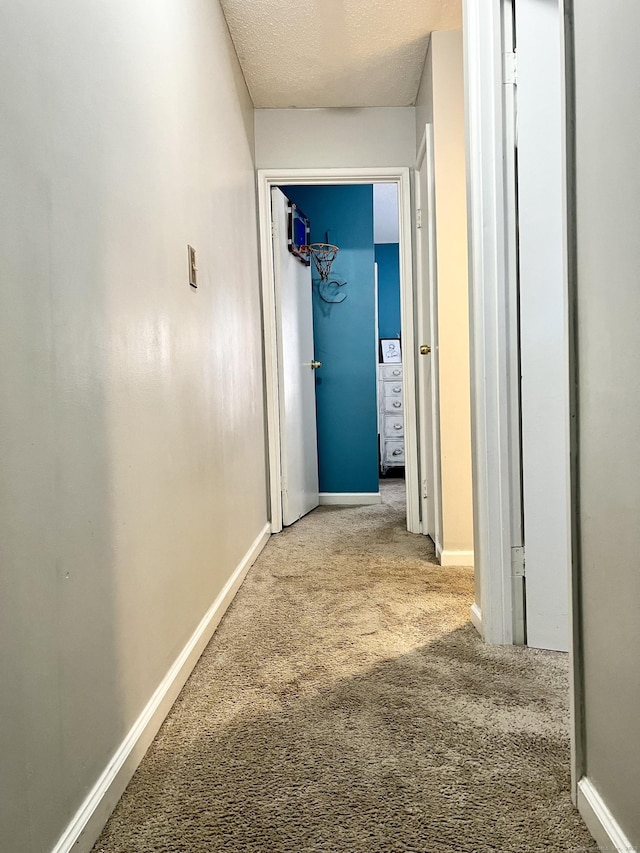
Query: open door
(296, 371)
(427, 328)
(544, 324)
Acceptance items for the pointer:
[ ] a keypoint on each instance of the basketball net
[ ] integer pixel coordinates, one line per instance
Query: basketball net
(323, 254)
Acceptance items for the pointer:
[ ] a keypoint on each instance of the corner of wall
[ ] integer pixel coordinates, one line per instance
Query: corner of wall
(424, 96)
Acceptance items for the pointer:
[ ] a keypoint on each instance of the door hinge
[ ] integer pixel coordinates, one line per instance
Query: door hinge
(425, 490)
(509, 69)
(517, 562)
(419, 218)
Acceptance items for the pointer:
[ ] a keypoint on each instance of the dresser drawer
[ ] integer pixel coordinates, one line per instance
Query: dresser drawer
(391, 416)
(392, 388)
(393, 406)
(393, 452)
(391, 371)
(394, 426)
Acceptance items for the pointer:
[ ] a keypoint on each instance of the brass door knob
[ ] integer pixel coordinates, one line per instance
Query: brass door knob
(425, 349)
(315, 365)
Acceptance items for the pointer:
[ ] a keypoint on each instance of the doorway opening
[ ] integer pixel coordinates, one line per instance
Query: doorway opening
(298, 184)
(356, 330)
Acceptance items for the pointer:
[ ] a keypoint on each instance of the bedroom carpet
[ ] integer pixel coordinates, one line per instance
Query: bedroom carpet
(346, 705)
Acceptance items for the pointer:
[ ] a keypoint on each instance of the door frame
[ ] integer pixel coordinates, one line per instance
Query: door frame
(495, 407)
(489, 109)
(576, 674)
(268, 178)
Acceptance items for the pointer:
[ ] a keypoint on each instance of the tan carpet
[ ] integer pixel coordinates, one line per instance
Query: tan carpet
(346, 705)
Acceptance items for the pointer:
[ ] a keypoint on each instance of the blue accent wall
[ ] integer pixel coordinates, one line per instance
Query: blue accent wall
(388, 259)
(344, 335)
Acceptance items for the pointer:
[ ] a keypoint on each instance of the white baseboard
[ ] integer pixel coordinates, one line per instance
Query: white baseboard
(476, 618)
(599, 820)
(85, 827)
(349, 498)
(456, 558)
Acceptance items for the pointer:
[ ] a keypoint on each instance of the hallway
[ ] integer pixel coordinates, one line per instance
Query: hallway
(346, 704)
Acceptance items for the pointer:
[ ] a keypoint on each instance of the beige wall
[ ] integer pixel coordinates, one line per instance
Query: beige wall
(132, 432)
(607, 308)
(441, 100)
(335, 138)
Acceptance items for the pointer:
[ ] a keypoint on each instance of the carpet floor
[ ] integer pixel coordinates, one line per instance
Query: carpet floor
(346, 705)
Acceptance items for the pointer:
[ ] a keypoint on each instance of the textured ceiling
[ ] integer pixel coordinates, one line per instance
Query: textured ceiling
(335, 53)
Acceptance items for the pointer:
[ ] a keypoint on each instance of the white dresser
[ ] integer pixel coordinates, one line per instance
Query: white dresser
(390, 416)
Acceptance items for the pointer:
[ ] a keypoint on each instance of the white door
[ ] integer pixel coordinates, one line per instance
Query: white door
(544, 323)
(427, 327)
(296, 373)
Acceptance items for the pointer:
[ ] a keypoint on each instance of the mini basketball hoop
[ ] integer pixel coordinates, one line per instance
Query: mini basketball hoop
(323, 254)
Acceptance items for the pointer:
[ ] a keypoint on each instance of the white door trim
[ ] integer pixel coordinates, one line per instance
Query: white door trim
(492, 333)
(268, 178)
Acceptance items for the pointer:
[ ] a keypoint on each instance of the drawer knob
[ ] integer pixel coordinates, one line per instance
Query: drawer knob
(397, 452)
(397, 404)
(397, 389)
(396, 373)
(397, 426)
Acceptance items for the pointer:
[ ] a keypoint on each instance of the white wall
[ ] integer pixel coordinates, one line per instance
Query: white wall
(441, 100)
(386, 222)
(340, 138)
(133, 469)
